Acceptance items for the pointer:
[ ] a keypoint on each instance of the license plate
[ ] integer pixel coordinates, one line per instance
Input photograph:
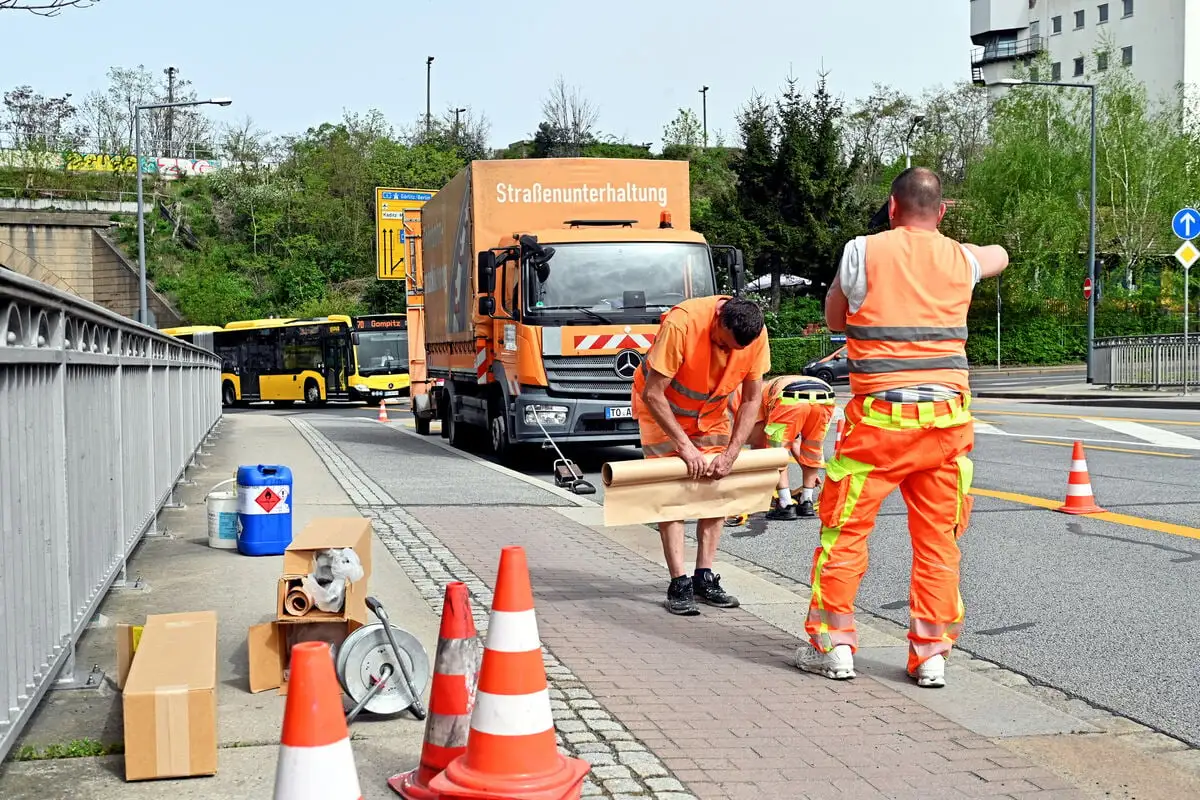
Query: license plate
(620, 412)
(379, 393)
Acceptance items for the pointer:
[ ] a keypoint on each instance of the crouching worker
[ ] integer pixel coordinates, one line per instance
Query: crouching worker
(794, 413)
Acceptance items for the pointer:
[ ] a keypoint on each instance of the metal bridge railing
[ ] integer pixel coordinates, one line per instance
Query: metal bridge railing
(99, 419)
(1154, 361)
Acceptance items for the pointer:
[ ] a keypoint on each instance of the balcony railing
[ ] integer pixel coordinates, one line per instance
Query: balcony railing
(1007, 50)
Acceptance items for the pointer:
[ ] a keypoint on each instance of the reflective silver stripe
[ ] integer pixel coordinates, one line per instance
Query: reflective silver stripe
(679, 388)
(683, 412)
(876, 365)
(808, 395)
(448, 730)
(898, 333)
(667, 448)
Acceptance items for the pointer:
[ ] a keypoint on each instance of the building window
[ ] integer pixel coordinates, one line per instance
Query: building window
(1127, 56)
(1056, 25)
(1078, 20)
(1101, 62)
(1035, 29)
(1056, 71)
(1078, 67)
(1128, 10)
(1102, 13)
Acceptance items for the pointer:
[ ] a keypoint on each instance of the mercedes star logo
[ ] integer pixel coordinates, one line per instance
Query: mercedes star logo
(627, 363)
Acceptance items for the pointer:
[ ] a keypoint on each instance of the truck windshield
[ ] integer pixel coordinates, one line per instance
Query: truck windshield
(596, 276)
(382, 352)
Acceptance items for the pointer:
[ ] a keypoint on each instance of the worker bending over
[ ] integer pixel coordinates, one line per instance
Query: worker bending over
(706, 349)
(794, 413)
(902, 298)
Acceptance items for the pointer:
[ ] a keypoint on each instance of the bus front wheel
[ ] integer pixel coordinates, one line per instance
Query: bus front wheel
(228, 395)
(312, 393)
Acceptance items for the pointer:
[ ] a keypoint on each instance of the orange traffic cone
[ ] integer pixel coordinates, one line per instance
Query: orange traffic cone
(841, 426)
(383, 417)
(455, 674)
(315, 759)
(511, 752)
(1080, 499)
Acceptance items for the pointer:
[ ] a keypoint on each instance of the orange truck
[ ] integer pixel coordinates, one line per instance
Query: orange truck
(540, 287)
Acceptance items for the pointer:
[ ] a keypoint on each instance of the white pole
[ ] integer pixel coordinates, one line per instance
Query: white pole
(1186, 361)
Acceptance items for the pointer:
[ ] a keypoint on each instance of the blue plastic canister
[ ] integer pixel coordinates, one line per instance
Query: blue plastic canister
(264, 503)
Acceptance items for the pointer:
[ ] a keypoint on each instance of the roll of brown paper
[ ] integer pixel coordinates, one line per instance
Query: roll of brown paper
(298, 602)
(659, 489)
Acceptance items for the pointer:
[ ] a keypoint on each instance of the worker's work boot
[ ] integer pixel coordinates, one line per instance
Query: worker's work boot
(931, 674)
(779, 512)
(806, 509)
(838, 664)
(681, 599)
(708, 590)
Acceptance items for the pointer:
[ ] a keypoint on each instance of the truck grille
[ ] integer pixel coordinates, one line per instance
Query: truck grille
(585, 376)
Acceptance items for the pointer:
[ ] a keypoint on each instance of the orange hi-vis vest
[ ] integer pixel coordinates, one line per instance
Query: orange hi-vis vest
(698, 407)
(912, 327)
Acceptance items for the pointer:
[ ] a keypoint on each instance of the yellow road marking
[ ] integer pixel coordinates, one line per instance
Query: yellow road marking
(1112, 449)
(1107, 516)
(1088, 416)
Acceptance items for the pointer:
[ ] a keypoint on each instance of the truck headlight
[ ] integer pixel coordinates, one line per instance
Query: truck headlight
(361, 387)
(547, 415)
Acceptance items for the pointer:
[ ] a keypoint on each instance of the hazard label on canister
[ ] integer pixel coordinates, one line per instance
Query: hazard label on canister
(263, 500)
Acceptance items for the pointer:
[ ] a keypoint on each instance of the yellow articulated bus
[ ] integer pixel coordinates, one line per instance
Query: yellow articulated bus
(315, 360)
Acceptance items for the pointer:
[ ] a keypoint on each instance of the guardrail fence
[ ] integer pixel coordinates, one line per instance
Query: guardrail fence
(1154, 361)
(100, 417)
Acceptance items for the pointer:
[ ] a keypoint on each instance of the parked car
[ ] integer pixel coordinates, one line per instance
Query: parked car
(833, 368)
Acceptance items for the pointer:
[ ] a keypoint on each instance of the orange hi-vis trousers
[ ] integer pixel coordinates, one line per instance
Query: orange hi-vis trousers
(922, 448)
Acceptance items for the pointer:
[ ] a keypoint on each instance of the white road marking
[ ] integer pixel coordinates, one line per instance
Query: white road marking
(1148, 433)
(987, 428)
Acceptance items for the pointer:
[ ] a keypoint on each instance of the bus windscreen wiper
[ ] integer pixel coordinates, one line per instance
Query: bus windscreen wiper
(584, 309)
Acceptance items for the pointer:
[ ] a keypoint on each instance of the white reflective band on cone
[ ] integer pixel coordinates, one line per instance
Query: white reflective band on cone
(1079, 490)
(317, 773)
(1078, 466)
(513, 632)
(512, 714)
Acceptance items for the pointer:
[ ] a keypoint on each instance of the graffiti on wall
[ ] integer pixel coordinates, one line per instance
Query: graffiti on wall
(98, 162)
(171, 168)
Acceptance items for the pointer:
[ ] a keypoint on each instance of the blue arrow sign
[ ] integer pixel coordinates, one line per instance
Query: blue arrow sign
(1186, 223)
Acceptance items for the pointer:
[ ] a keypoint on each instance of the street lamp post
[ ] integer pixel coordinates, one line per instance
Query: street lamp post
(916, 120)
(428, 86)
(457, 111)
(1091, 325)
(704, 111)
(143, 310)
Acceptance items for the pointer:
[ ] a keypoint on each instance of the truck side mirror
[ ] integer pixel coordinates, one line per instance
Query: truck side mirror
(487, 306)
(487, 272)
(738, 271)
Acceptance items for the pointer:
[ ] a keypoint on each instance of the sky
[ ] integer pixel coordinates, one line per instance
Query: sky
(292, 64)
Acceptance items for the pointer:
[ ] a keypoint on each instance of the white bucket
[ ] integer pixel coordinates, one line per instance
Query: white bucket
(222, 518)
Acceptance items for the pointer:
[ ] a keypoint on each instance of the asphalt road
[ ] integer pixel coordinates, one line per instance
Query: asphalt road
(1102, 610)
(1021, 381)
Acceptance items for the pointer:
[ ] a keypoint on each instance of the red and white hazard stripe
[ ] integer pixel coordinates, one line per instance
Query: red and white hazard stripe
(614, 341)
(482, 365)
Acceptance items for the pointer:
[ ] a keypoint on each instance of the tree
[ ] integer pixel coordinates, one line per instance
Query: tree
(40, 124)
(44, 8)
(683, 131)
(466, 133)
(568, 123)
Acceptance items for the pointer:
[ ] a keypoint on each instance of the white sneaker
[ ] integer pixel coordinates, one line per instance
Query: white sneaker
(932, 673)
(836, 665)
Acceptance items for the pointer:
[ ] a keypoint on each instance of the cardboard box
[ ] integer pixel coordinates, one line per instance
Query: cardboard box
(168, 677)
(322, 534)
(270, 644)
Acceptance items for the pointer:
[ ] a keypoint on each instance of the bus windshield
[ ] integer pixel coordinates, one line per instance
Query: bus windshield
(610, 276)
(382, 352)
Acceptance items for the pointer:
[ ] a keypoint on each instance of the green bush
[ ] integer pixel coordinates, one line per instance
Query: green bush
(790, 354)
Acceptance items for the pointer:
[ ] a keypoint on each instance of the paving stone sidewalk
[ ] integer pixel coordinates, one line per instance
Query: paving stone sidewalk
(675, 708)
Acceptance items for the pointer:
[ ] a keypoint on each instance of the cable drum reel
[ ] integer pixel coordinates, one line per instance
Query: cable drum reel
(383, 669)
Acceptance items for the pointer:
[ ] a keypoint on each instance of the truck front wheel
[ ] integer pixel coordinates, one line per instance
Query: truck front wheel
(502, 444)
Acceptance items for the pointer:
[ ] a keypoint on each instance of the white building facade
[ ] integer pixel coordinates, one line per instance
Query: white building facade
(1159, 40)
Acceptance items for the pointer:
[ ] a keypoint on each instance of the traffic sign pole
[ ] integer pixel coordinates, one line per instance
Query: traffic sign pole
(1186, 225)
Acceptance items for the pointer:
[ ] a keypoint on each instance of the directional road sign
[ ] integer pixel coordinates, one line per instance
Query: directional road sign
(1087, 288)
(1186, 223)
(392, 229)
(1187, 254)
